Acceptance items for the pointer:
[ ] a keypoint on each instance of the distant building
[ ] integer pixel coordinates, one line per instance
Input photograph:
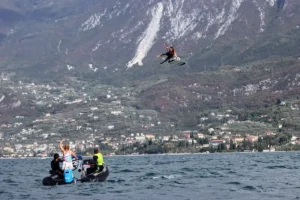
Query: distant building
(210, 130)
(217, 142)
(269, 133)
(140, 138)
(165, 138)
(187, 135)
(117, 112)
(237, 139)
(252, 138)
(150, 137)
(8, 149)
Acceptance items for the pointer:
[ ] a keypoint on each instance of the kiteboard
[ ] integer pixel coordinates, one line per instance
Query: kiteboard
(178, 62)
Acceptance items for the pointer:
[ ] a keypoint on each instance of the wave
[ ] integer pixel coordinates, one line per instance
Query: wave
(234, 183)
(187, 169)
(125, 171)
(150, 174)
(179, 182)
(8, 181)
(116, 181)
(171, 176)
(167, 176)
(163, 163)
(277, 167)
(250, 188)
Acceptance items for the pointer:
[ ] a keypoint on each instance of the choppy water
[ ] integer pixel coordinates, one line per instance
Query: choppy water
(207, 176)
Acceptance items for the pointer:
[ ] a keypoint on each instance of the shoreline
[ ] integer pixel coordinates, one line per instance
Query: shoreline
(164, 154)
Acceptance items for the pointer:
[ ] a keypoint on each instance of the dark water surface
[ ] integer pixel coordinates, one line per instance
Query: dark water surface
(242, 176)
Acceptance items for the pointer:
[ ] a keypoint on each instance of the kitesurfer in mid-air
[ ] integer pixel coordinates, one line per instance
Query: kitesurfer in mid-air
(170, 54)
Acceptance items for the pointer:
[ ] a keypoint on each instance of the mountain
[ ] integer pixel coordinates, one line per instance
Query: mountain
(50, 38)
(251, 91)
(93, 63)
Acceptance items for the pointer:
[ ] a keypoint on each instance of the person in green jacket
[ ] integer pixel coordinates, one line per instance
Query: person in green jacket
(98, 158)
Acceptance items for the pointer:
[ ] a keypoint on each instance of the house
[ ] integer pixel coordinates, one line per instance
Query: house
(165, 138)
(140, 138)
(191, 141)
(187, 135)
(237, 140)
(269, 133)
(205, 146)
(18, 146)
(45, 135)
(252, 138)
(210, 130)
(216, 142)
(110, 127)
(294, 139)
(174, 138)
(214, 137)
(150, 137)
(227, 146)
(8, 149)
(94, 108)
(116, 112)
(231, 121)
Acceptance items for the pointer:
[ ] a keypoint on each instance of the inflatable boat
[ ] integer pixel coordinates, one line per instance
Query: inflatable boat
(85, 167)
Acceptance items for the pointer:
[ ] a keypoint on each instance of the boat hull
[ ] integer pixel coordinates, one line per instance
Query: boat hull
(97, 177)
(54, 180)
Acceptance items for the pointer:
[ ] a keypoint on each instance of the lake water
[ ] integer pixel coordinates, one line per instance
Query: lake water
(167, 177)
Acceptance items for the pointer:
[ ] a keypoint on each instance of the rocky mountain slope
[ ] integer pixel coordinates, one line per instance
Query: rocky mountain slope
(62, 58)
(105, 38)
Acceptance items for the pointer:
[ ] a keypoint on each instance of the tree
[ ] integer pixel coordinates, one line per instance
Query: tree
(192, 135)
(244, 143)
(232, 145)
(278, 102)
(200, 141)
(221, 147)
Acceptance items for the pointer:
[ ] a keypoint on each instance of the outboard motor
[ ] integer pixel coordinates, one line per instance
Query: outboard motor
(77, 164)
(90, 175)
(88, 167)
(68, 175)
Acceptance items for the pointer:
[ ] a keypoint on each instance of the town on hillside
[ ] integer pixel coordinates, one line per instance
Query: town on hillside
(139, 143)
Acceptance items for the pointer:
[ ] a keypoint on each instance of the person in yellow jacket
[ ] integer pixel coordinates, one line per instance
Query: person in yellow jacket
(98, 158)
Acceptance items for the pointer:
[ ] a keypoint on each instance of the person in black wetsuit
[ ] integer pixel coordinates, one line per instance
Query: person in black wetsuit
(170, 54)
(55, 169)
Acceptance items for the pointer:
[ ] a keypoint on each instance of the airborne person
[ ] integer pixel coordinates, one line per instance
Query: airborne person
(170, 54)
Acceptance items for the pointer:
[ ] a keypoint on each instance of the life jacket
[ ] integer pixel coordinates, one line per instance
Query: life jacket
(99, 159)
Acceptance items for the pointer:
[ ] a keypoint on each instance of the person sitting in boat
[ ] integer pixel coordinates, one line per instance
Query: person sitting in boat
(67, 153)
(98, 158)
(55, 169)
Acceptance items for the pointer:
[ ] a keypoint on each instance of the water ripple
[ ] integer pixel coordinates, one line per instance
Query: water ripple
(263, 175)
